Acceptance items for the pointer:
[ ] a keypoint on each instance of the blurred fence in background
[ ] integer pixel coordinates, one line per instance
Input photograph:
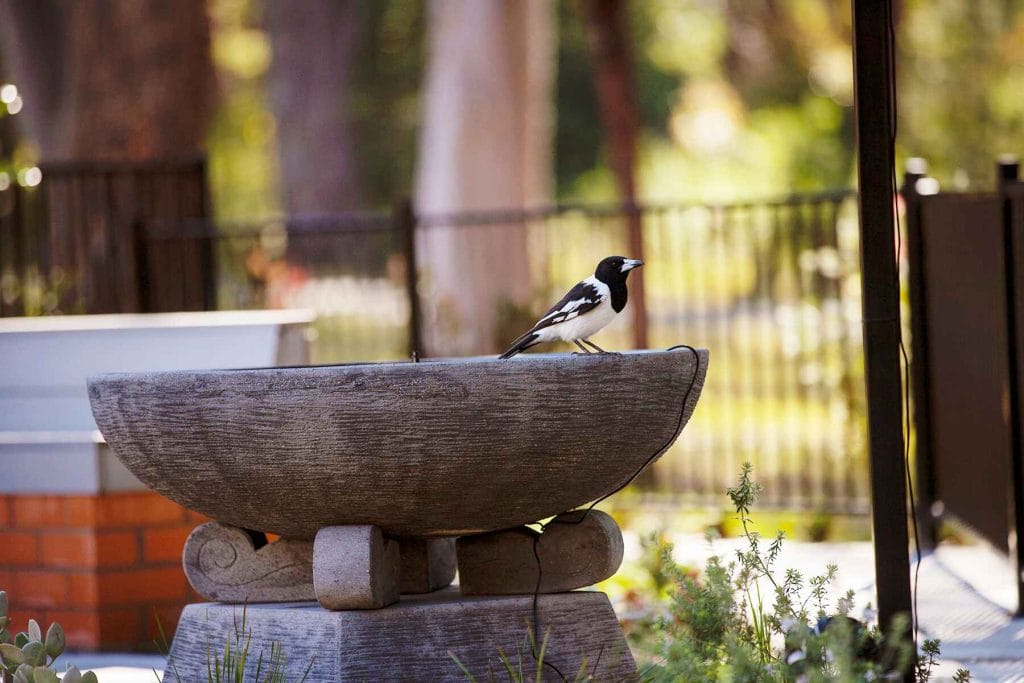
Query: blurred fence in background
(73, 239)
(772, 288)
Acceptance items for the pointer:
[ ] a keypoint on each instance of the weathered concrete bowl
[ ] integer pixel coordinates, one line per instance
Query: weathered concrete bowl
(439, 448)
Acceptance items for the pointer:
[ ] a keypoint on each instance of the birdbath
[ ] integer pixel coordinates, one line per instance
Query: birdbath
(379, 480)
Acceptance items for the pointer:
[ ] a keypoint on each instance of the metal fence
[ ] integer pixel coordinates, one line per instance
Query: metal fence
(72, 240)
(772, 288)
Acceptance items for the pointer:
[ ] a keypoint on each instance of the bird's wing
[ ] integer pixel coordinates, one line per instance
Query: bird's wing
(585, 296)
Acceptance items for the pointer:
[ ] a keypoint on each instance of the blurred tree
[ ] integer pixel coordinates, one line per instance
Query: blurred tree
(484, 145)
(961, 86)
(243, 166)
(612, 65)
(311, 83)
(386, 99)
(344, 87)
(125, 81)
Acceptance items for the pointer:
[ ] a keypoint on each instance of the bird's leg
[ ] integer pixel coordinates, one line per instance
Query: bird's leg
(600, 350)
(577, 343)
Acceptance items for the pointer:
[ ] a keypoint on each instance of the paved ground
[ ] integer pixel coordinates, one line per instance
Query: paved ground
(965, 598)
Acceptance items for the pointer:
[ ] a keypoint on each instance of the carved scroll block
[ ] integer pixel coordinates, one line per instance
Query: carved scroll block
(575, 550)
(355, 567)
(427, 564)
(228, 564)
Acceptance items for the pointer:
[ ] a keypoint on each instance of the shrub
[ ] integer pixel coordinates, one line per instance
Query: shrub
(28, 656)
(737, 622)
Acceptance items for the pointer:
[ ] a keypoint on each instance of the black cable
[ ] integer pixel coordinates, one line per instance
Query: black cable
(584, 512)
(905, 407)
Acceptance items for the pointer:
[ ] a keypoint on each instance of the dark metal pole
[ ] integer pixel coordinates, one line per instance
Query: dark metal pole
(872, 50)
(405, 221)
(1011, 191)
(917, 281)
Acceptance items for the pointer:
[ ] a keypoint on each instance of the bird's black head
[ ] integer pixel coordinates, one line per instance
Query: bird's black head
(614, 269)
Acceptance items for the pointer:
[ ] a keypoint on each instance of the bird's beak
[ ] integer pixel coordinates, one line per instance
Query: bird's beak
(631, 263)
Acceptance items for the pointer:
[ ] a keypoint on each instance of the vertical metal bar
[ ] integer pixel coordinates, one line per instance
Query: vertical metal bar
(140, 250)
(638, 292)
(873, 79)
(208, 252)
(917, 284)
(1008, 173)
(405, 222)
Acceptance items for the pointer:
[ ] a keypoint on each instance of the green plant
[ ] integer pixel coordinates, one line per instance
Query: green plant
(28, 656)
(229, 665)
(745, 620)
(530, 672)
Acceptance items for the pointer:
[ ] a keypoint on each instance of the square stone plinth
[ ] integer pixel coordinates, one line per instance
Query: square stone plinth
(411, 640)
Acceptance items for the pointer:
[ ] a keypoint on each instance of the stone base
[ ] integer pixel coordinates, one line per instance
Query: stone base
(411, 640)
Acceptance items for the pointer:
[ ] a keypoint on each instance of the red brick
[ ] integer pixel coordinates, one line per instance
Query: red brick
(5, 511)
(144, 586)
(116, 548)
(83, 590)
(164, 545)
(19, 549)
(82, 629)
(119, 627)
(135, 509)
(74, 549)
(80, 511)
(37, 588)
(162, 618)
(38, 511)
(6, 581)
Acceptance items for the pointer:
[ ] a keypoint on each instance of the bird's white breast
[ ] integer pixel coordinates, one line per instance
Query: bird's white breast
(582, 326)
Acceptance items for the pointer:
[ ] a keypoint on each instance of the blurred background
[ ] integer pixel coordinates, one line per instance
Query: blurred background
(430, 176)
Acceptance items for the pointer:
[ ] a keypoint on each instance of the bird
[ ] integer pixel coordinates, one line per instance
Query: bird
(586, 308)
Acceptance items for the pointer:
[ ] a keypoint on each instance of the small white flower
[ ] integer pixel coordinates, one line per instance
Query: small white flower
(787, 623)
(796, 656)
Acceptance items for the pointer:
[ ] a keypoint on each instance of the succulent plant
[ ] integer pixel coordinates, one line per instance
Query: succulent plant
(28, 657)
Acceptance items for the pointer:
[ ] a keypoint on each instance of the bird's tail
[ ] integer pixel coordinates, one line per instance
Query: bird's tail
(524, 342)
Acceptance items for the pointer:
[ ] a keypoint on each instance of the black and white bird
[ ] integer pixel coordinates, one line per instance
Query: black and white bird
(588, 307)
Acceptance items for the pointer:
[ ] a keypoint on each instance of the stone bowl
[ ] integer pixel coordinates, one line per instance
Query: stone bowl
(437, 448)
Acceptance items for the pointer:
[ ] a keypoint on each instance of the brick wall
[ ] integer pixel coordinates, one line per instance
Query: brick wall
(105, 566)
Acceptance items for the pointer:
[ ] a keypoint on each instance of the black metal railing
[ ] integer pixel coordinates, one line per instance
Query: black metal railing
(771, 288)
(72, 239)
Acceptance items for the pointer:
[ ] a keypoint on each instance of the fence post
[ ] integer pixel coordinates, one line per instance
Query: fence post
(1011, 195)
(637, 290)
(404, 221)
(140, 252)
(927, 520)
(207, 251)
(874, 107)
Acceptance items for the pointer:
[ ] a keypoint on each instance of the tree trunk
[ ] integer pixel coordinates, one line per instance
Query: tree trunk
(111, 81)
(311, 85)
(118, 84)
(485, 145)
(612, 59)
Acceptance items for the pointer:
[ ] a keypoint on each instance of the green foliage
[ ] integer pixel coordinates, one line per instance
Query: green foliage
(745, 620)
(234, 663)
(28, 657)
(526, 667)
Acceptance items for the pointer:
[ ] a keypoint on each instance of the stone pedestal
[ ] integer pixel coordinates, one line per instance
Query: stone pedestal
(411, 640)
